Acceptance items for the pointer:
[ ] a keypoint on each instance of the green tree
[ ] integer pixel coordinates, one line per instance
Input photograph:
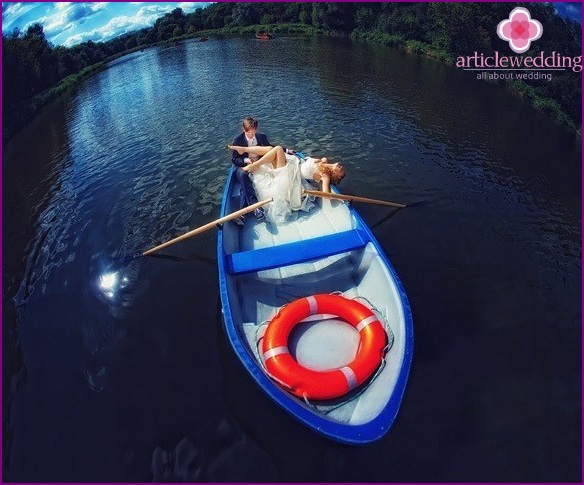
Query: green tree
(245, 13)
(131, 43)
(365, 18)
(333, 16)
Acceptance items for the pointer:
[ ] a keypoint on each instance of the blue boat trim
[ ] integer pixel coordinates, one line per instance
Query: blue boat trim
(295, 252)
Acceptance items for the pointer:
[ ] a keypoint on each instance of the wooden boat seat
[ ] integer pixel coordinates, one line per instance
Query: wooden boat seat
(295, 252)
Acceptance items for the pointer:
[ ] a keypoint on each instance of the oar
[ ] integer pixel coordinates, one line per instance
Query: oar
(208, 226)
(352, 198)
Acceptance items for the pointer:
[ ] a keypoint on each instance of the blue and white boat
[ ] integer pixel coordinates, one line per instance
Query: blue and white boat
(263, 268)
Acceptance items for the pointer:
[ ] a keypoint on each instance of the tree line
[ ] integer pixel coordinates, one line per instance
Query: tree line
(32, 67)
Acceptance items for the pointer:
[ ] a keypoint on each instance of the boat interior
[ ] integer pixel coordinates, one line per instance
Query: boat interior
(267, 269)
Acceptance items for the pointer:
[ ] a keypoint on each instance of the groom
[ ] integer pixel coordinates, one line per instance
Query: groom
(249, 137)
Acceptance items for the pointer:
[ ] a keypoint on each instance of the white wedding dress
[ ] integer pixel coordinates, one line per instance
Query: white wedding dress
(285, 186)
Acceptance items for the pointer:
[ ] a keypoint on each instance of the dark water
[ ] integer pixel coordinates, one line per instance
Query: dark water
(138, 382)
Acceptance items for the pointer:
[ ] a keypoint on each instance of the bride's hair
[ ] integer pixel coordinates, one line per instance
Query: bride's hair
(334, 177)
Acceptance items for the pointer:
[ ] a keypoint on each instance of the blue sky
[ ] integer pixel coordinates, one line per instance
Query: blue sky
(571, 10)
(69, 23)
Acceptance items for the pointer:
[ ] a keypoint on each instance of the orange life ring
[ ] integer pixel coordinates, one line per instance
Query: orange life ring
(317, 385)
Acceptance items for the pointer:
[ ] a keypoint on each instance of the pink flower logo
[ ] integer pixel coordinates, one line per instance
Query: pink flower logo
(519, 29)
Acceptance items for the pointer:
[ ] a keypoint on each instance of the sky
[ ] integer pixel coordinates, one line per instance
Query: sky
(70, 23)
(570, 10)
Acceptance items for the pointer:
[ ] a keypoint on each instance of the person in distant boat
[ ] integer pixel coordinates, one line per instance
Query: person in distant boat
(282, 176)
(242, 158)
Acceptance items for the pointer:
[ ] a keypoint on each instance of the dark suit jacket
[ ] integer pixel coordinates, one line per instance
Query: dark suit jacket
(241, 141)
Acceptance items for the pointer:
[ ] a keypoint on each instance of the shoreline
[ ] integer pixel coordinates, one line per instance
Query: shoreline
(515, 86)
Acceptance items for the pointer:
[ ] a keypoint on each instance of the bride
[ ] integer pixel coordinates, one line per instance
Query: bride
(283, 177)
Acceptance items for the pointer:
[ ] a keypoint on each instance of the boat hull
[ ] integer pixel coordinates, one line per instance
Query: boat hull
(327, 250)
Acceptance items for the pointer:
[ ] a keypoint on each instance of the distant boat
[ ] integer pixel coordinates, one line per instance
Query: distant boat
(264, 36)
(204, 38)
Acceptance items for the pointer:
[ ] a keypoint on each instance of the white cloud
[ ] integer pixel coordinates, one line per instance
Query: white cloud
(145, 17)
(189, 7)
(61, 5)
(16, 9)
(68, 16)
(154, 10)
(69, 23)
(79, 38)
(121, 24)
(12, 11)
(55, 23)
(98, 6)
(571, 8)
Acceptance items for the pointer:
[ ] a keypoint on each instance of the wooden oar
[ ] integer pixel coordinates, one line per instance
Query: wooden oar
(208, 226)
(351, 198)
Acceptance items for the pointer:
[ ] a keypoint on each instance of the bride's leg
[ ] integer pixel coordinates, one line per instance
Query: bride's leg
(240, 150)
(274, 155)
(280, 157)
(257, 150)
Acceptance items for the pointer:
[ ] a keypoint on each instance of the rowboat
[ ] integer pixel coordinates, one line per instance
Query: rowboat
(264, 36)
(322, 285)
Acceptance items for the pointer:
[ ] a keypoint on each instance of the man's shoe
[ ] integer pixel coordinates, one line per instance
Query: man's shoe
(260, 213)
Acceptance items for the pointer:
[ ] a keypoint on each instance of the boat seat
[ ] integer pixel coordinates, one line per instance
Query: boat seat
(295, 252)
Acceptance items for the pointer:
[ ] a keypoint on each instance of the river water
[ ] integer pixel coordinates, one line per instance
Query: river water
(134, 380)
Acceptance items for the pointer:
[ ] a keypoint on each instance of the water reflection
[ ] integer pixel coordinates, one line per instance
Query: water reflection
(108, 284)
(220, 452)
(118, 287)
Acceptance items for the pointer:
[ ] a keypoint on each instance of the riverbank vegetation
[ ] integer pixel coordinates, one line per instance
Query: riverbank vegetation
(35, 72)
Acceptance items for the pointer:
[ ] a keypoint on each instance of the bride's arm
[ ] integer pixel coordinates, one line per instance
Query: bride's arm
(326, 183)
(322, 176)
